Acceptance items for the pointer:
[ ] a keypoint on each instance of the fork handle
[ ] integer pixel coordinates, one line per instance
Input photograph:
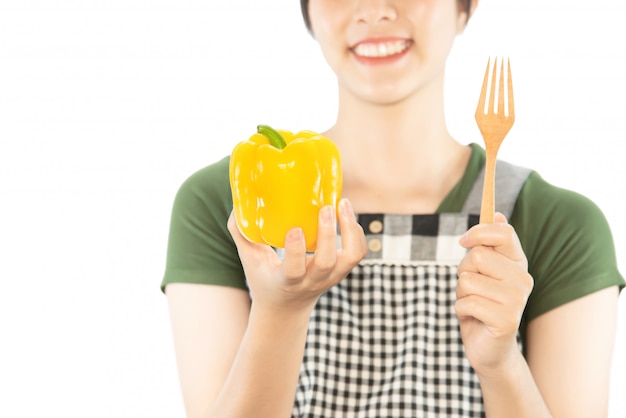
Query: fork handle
(488, 204)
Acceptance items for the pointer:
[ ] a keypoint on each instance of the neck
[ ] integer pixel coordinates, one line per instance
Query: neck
(416, 123)
(398, 147)
(411, 131)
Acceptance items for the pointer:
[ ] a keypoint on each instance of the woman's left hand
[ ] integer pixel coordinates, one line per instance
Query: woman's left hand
(492, 291)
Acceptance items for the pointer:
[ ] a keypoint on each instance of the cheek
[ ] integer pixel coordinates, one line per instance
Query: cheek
(327, 25)
(322, 15)
(440, 13)
(439, 25)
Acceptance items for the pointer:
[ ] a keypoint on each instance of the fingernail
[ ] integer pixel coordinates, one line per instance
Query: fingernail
(328, 215)
(346, 208)
(294, 235)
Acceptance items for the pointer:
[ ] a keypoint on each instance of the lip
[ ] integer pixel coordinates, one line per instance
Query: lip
(381, 60)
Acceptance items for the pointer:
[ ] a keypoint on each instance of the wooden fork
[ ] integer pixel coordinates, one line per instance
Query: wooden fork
(493, 125)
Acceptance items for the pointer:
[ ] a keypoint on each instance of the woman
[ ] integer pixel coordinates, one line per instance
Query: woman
(421, 312)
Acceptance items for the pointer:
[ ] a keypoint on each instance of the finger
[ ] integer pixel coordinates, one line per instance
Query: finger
(294, 263)
(477, 284)
(500, 218)
(512, 292)
(325, 256)
(499, 235)
(474, 306)
(353, 243)
(498, 317)
(489, 234)
(487, 261)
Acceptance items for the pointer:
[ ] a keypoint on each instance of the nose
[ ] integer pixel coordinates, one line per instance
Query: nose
(374, 11)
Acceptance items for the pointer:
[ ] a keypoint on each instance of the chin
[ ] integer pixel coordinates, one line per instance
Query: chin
(386, 100)
(390, 88)
(384, 96)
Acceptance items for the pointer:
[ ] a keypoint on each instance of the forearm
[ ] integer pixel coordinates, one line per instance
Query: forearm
(512, 392)
(264, 375)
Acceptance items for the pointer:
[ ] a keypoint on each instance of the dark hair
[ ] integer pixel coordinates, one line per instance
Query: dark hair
(304, 5)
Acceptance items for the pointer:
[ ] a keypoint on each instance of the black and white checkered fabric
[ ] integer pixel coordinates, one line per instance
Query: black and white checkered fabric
(385, 341)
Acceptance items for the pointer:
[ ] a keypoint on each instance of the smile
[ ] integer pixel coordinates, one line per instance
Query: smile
(381, 49)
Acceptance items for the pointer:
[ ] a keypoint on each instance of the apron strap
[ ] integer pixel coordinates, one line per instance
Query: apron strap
(509, 181)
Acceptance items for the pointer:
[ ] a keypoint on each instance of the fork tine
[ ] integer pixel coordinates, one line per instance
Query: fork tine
(510, 90)
(492, 101)
(501, 89)
(480, 109)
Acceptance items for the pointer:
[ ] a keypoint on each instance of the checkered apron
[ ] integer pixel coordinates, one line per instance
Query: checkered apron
(385, 341)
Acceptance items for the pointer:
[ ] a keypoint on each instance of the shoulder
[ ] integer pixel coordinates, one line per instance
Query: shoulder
(208, 187)
(553, 222)
(200, 248)
(568, 243)
(548, 215)
(547, 204)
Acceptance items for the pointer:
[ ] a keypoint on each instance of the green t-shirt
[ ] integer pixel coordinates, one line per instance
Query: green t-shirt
(565, 236)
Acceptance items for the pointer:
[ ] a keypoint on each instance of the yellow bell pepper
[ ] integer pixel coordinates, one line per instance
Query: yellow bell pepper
(280, 180)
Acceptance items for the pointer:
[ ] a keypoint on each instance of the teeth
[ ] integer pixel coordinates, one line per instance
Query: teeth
(382, 49)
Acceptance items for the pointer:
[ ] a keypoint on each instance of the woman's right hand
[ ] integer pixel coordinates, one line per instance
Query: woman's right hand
(296, 283)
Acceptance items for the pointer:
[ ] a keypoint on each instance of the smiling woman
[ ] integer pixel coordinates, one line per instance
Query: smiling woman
(106, 107)
(422, 310)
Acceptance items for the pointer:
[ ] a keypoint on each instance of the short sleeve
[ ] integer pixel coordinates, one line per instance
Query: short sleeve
(200, 248)
(568, 243)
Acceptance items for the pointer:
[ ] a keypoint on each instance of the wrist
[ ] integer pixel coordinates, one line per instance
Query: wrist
(509, 365)
(280, 316)
(506, 372)
(510, 390)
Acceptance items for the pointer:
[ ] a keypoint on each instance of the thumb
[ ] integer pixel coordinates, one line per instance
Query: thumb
(233, 228)
(247, 249)
(500, 218)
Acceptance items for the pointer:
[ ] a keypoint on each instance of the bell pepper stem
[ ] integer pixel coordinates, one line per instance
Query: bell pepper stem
(275, 138)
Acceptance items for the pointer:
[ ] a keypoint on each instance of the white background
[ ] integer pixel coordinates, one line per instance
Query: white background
(107, 106)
